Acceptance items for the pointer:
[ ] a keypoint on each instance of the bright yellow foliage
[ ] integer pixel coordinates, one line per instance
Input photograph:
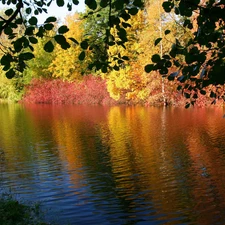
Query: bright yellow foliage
(66, 64)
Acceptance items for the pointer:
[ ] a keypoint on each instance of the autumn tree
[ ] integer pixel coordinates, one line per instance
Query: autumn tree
(66, 64)
(21, 49)
(202, 66)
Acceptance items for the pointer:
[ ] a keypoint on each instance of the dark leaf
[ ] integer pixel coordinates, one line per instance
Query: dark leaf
(40, 32)
(18, 45)
(133, 11)
(9, 12)
(203, 92)
(8, 31)
(157, 41)
(6, 59)
(84, 44)
(50, 19)
(104, 69)
(60, 39)
(33, 40)
(29, 31)
(104, 3)
(6, 67)
(75, 2)
(167, 32)
(74, 40)
(10, 74)
(91, 4)
(60, 3)
(125, 58)
(82, 56)
(26, 56)
(63, 29)
(49, 47)
(155, 58)
(138, 3)
(33, 21)
(48, 26)
(187, 105)
(149, 68)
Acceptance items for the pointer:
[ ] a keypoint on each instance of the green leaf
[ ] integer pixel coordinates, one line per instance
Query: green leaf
(8, 31)
(63, 29)
(149, 68)
(33, 21)
(91, 4)
(6, 59)
(119, 4)
(157, 41)
(116, 68)
(60, 39)
(48, 26)
(104, 69)
(26, 56)
(6, 67)
(75, 2)
(33, 40)
(60, 3)
(29, 30)
(49, 47)
(9, 12)
(10, 74)
(69, 6)
(133, 11)
(125, 25)
(187, 105)
(125, 58)
(138, 3)
(82, 56)
(74, 40)
(104, 3)
(18, 45)
(28, 10)
(167, 6)
(167, 32)
(40, 32)
(155, 58)
(84, 44)
(51, 19)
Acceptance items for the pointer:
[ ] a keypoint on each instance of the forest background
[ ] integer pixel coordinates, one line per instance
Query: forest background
(65, 76)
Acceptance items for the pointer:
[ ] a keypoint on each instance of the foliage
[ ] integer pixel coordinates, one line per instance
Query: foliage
(14, 212)
(92, 90)
(66, 64)
(202, 68)
(182, 40)
(39, 65)
(23, 14)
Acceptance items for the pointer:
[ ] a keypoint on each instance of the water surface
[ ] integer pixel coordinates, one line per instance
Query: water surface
(116, 165)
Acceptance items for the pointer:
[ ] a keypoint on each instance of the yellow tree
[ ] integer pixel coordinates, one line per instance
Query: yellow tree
(161, 29)
(124, 79)
(66, 64)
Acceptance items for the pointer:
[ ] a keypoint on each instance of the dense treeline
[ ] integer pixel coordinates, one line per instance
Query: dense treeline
(65, 77)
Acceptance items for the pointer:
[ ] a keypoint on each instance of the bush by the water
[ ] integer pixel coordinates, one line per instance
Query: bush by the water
(91, 90)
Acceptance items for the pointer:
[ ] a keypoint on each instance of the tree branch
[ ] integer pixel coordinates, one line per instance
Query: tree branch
(14, 15)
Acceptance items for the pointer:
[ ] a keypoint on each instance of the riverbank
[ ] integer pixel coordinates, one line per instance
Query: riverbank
(15, 212)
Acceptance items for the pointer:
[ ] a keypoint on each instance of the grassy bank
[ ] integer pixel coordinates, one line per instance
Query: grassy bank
(14, 212)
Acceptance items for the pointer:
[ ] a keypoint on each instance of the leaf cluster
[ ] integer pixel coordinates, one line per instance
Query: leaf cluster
(202, 67)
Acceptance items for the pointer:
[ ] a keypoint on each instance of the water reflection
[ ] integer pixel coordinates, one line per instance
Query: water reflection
(118, 165)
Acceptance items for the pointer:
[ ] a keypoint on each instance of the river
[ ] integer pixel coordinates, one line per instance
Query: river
(116, 165)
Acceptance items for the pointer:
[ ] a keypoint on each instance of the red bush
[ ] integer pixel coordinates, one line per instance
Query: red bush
(91, 90)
